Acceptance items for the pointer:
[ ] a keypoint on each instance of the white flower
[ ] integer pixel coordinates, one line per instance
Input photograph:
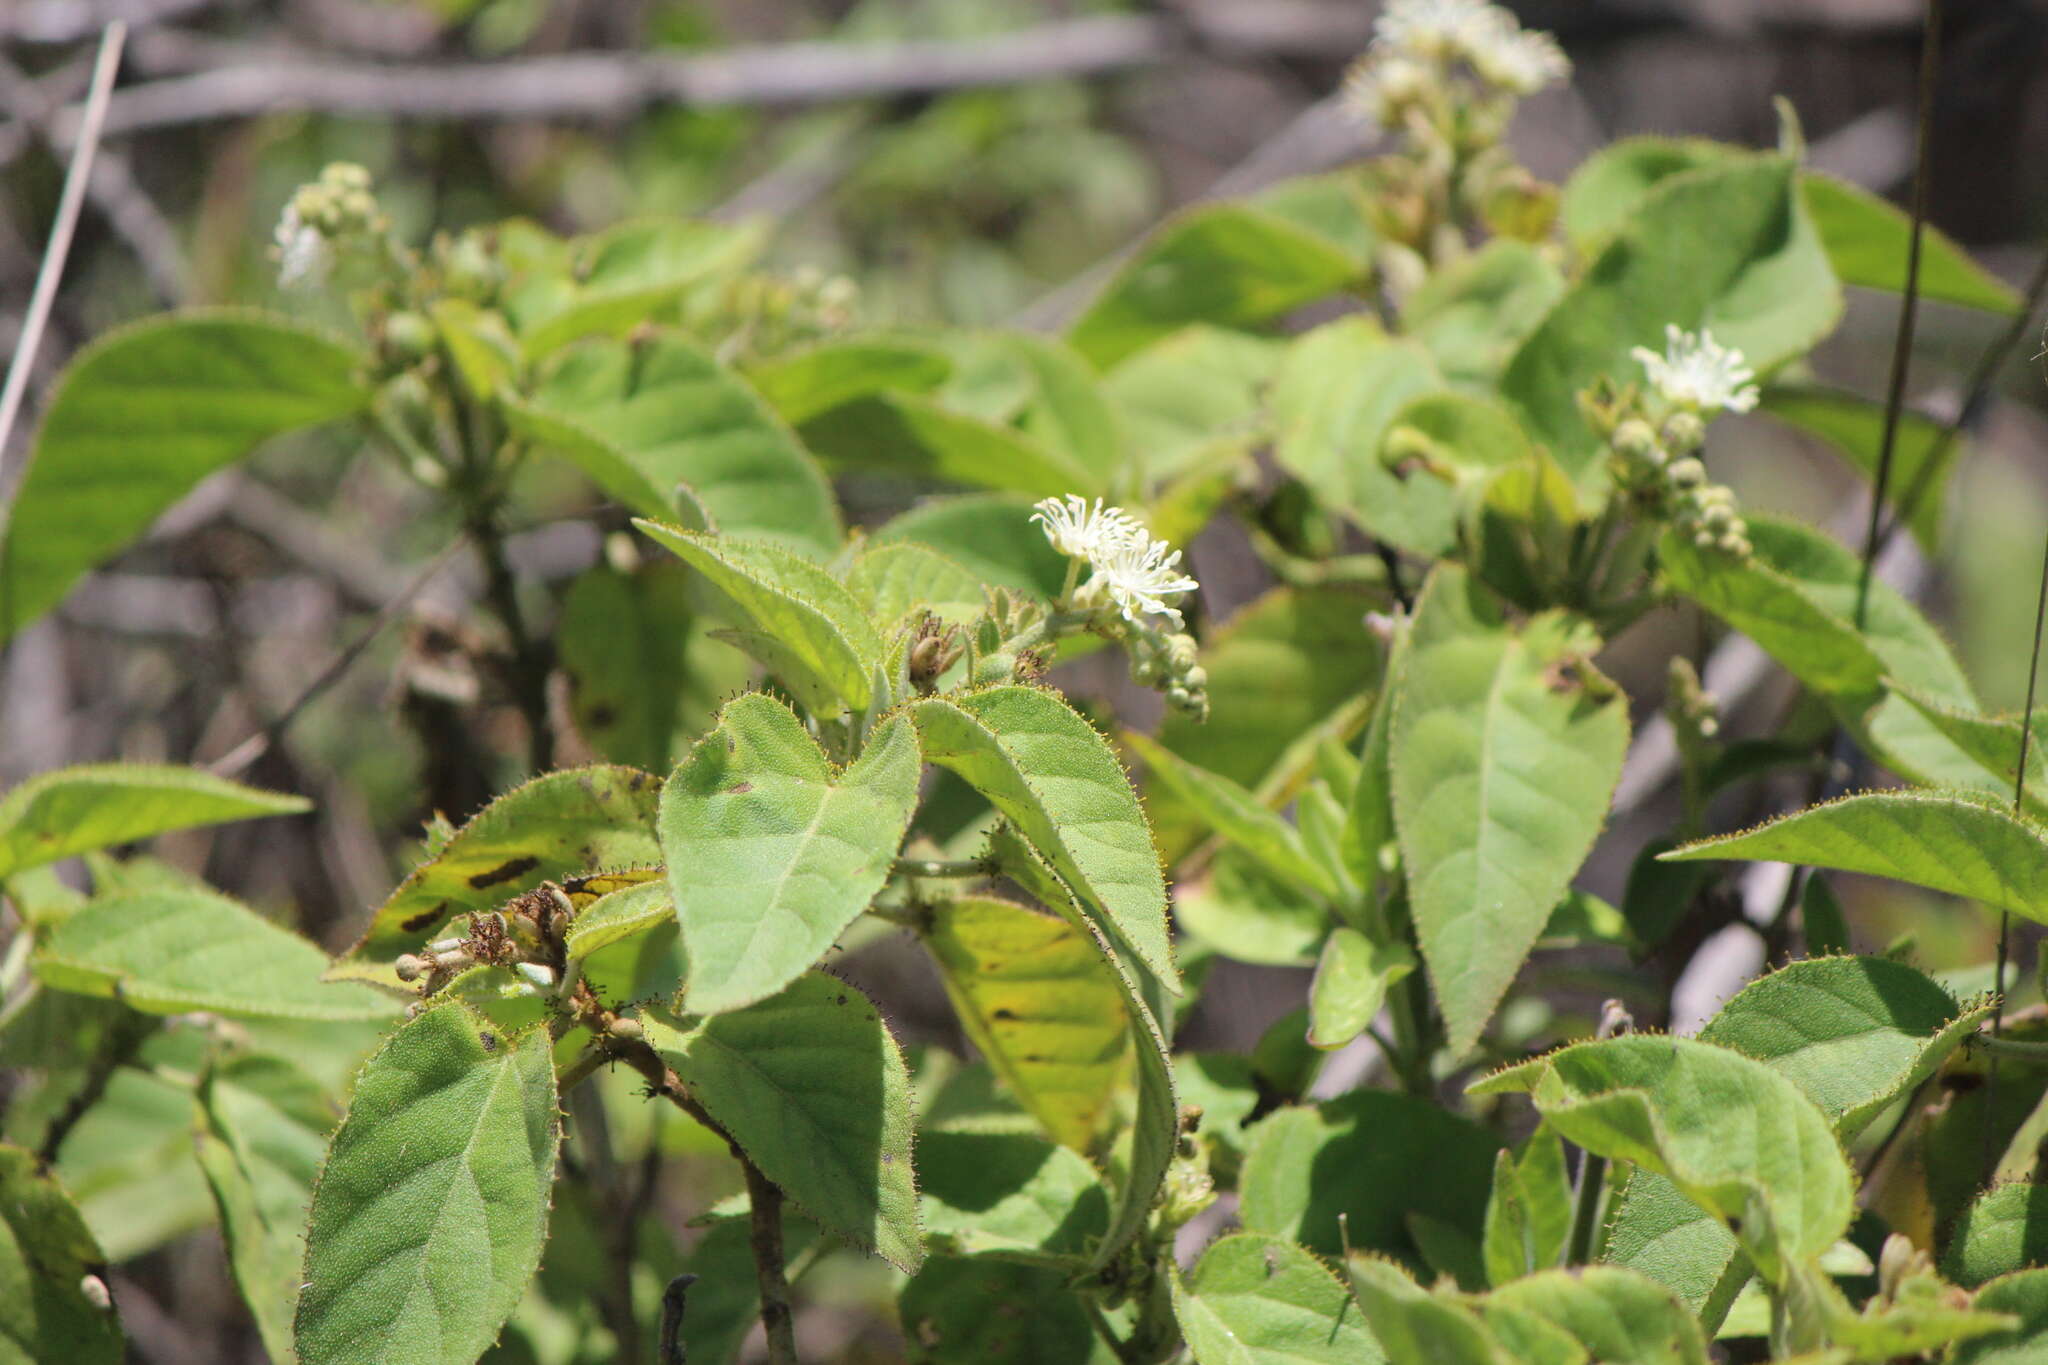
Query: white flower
(1378, 86)
(1081, 531)
(1430, 28)
(1511, 58)
(1143, 575)
(1698, 373)
(1127, 566)
(304, 255)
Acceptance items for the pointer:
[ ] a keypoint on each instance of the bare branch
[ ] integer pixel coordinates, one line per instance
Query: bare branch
(70, 21)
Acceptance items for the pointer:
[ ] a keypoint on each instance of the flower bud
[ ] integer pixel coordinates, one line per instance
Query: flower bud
(627, 1029)
(1687, 473)
(408, 335)
(1636, 442)
(1685, 432)
(410, 967)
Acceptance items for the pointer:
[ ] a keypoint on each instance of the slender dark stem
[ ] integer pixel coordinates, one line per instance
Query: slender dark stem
(529, 665)
(1614, 1021)
(765, 1215)
(2019, 796)
(1909, 310)
(120, 1046)
(673, 1349)
(1983, 380)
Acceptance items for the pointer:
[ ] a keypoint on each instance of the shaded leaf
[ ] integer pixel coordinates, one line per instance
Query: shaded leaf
(813, 1088)
(432, 1211)
(1192, 394)
(770, 852)
(1237, 818)
(625, 275)
(807, 383)
(1854, 427)
(1412, 1324)
(1372, 1156)
(2025, 1295)
(991, 1312)
(139, 418)
(1009, 1195)
(1039, 1003)
(1614, 1313)
(56, 814)
(1610, 185)
(45, 1255)
(621, 914)
(989, 535)
(1529, 1212)
(1474, 314)
(906, 434)
(2005, 1230)
(900, 581)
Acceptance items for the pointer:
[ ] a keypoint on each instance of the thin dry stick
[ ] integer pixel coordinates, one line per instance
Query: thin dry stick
(68, 205)
(1909, 311)
(2019, 796)
(765, 1215)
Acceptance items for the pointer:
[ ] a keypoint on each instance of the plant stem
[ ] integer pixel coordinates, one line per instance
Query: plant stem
(2019, 799)
(1586, 1208)
(765, 1215)
(124, 1038)
(529, 663)
(1909, 310)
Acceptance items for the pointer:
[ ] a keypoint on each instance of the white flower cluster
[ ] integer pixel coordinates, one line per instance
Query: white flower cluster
(1127, 566)
(1698, 374)
(304, 255)
(322, 218)
(1417, 42)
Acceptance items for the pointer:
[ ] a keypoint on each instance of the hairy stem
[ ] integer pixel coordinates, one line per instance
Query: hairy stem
(765, 1217)
(124, 1038)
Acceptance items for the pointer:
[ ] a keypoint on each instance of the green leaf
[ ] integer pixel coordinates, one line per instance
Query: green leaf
(2025, 1295)
(1944, 842)
(1223, 264)
(619, 915)
(811, 382)
(1797, 598)
(1257, 1300)
(1529, 1212)
(1822, 919)
(1039, 1003)
(1734, 1135)
(900, 581)
(1333, 402)
(1867, 240)
(1854, 427)
(771, 853)
(1614, 1313)
(1412, 1324)
(174, 951)
(1237, 909)
(1994, 742)
(566, 822)
(1335, 207)
(902, 433)
(1473, 315)
(1041, 388)
(1351, 981)
(1236, 817)
(645, 676)
(1663, 1234)
(667, 409)
(2005, 1230)
(794, 616)
(626, 274)
(812, 1087)
(1610, 185)
(1285, 666)
(140, 417)
(1010, 1195)
(433, 1208)
(1193, 394)
(262, 1130)
(985, 1311)
(1051, 774)
(1365, 1161)
(46, 1253)
(1726, 248)
(629, 481)
(1854, 1033)
(74, 810)
(1503, 763)
(989, 535)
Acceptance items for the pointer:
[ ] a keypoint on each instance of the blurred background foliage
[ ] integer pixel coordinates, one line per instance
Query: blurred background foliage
(969, 162)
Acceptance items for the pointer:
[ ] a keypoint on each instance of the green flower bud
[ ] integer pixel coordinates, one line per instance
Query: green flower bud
(1685, 432)
(1635, 442)
(1687, 473)
(409, 335)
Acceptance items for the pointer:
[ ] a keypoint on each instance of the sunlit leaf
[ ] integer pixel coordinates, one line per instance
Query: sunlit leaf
(75, 810)
(1258, 1300)
(46, 1253)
